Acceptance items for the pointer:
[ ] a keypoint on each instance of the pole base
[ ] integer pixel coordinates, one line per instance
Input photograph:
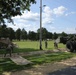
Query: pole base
(41, 48)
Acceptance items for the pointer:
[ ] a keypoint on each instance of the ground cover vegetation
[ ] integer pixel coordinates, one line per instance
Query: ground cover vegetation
(29, 46)
(11, 8)
(24, 46)
(7, 65)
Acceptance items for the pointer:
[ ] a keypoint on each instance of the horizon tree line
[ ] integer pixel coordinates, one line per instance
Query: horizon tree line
(22, 34)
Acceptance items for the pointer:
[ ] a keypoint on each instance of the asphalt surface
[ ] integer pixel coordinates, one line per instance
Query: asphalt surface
(67, 71)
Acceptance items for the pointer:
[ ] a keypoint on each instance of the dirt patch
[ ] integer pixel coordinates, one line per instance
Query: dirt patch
(47, 68)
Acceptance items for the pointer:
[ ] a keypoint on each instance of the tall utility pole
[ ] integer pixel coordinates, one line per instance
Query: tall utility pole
(40, 24)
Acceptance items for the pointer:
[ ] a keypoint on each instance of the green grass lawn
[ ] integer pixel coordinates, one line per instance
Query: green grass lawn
(7, 65)
(49, 58)
(36, 44)
(28, 46)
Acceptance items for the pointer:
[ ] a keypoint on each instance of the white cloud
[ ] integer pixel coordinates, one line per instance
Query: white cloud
(47, 21)
(71, 13)
(47, 10)
(70, 30)
(59, 11)
(47, 16)
(66, 30)
(30, 20)
(12, 26)
(31, 16)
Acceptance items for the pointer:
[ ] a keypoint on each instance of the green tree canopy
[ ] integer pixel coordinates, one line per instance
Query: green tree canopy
(24, 34)
(11, 33)
(18, 34)
(11, 8)
(44, 33)
(55, 35)
(63, 34)
(32, 35)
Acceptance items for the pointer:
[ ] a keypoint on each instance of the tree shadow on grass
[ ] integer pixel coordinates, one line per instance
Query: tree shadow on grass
(25, 50)
(10, 66)
(18, 50)
(67, 71)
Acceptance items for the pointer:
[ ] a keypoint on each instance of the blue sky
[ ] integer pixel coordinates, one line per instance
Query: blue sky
(57, 16)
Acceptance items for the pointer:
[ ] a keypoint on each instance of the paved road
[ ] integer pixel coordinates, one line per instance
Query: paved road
(66, 71)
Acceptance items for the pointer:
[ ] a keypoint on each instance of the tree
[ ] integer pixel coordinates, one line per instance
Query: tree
(55, 35)
(11, 8)
(3, 31)
(44, 33)
(18, 34)
(32, 35)
(24, 34)
(11, 34)
(49, 35)
(63, 34)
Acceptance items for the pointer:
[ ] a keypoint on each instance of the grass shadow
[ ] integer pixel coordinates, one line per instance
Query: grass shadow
(18, 50)
(11, 66)
(25, 50)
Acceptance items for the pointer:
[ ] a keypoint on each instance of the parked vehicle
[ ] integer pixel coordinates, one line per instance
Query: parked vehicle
(70, 43)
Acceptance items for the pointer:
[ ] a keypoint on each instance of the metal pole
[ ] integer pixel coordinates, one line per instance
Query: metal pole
(40, 24)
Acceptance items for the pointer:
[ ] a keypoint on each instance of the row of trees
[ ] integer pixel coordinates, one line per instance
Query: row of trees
(24, 35)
